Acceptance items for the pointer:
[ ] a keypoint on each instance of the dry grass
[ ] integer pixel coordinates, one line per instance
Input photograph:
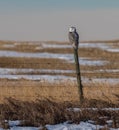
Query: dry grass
(49, 63)
(40, 102)
(42, 112)
(26, 90)
(41, 63)
(32, 90)
(94, 54)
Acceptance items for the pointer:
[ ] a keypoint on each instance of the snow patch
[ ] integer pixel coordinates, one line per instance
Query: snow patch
(67, 57)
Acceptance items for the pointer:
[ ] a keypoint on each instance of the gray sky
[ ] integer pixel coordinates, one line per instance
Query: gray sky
(39, 21)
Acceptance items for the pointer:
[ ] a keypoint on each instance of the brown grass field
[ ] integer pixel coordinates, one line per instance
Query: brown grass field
(31, 90)
(26, 90)
(58, 93)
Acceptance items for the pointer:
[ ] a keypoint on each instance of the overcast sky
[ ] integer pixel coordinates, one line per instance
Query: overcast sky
(40, 20)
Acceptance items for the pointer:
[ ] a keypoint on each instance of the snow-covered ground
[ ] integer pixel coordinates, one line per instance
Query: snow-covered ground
(81, 126)
(6, 71)
(67, 57)
(89, 125)
(103, 46)
(14, 73)
(40, 45)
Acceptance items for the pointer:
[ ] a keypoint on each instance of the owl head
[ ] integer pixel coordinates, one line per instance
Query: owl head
(72, 29)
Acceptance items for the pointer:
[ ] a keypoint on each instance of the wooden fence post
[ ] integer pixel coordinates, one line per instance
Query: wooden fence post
(80, 86)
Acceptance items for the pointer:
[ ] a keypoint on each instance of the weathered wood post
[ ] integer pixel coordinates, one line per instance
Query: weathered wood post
(74, 40)
(80, 86)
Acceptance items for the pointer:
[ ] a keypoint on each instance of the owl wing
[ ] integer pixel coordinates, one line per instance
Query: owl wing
(73, 37)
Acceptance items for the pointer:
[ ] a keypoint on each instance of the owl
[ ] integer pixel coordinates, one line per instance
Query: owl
(73, 37)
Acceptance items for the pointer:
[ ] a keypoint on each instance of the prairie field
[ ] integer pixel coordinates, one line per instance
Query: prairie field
(45, 72)
(99, 67)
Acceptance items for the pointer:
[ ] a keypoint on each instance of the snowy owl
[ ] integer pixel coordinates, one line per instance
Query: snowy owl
(73, 37)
